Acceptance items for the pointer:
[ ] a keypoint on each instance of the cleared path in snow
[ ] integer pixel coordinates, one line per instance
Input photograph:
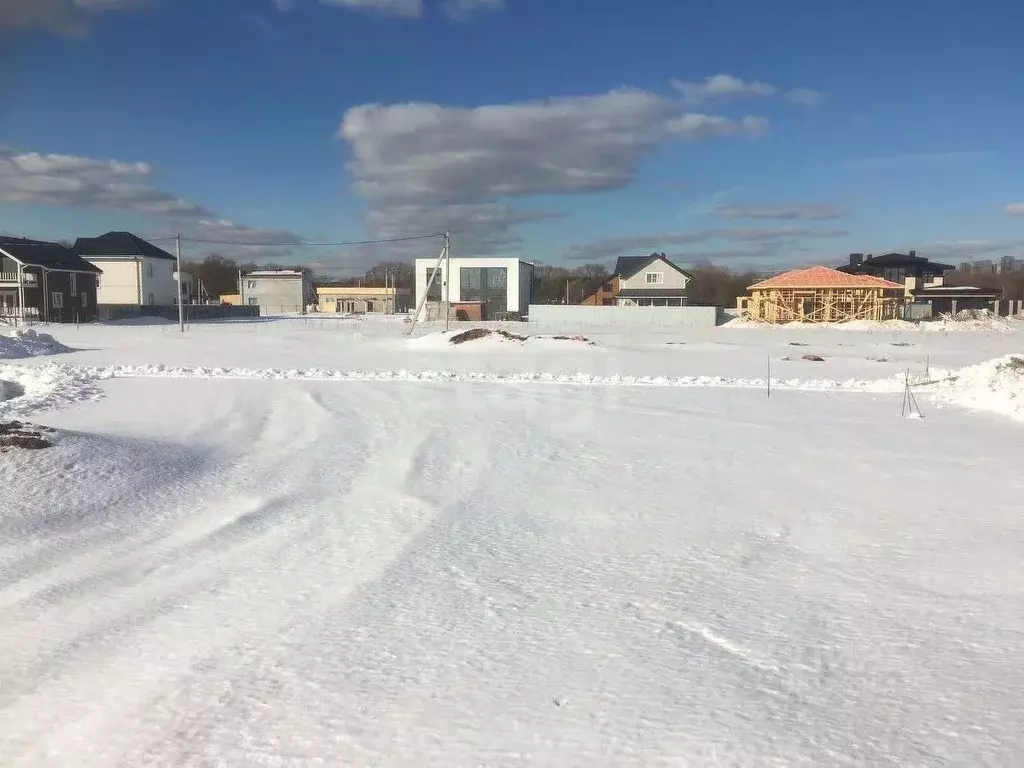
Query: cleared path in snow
(272, 572)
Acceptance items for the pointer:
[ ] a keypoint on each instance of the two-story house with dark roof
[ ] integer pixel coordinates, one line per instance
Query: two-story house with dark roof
(45, 281)
(134, 271)
(643, 281)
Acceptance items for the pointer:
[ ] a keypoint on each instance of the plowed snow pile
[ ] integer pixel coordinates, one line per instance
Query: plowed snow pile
(28, 343)
(997, 386)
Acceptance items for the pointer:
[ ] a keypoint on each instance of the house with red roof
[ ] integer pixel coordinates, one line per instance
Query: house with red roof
(822, 295)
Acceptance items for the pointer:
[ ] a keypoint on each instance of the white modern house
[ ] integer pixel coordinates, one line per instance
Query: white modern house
(133, 271)
(650, 281)
(277, 291)
(479, 287)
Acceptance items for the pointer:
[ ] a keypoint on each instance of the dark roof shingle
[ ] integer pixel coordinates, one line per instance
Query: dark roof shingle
(119, 244)
(627, 266)
(41, 253)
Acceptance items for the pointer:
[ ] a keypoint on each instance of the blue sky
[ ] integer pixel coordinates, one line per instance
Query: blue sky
(746, 132)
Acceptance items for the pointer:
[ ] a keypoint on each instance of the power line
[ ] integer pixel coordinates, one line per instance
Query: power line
(303, 244)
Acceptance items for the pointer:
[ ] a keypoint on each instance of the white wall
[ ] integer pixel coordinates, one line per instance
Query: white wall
(673, 278)
(131, 280)
(158, 279)
(274, 294)
(518, 272)
(119, 283)
(576, 315)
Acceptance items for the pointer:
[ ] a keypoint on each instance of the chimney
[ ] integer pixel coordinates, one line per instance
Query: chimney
(856, 259)
(913, 254)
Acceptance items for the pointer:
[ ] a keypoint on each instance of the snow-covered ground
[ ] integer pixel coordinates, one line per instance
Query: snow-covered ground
(302, 542)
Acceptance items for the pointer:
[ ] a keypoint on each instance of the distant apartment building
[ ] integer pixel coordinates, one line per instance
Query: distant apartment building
(277, 291)
(1011, 264)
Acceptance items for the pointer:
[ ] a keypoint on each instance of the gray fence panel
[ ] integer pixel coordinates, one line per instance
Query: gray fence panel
(193, 312)
(626, 317)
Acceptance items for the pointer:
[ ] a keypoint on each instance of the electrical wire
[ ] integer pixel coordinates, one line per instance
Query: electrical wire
(293, 244)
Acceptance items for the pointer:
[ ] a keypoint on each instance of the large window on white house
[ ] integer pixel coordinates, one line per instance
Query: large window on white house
(655, 278)
(434, 288)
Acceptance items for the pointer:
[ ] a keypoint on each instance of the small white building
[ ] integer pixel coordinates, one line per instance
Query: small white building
(133, 271)
(494, 285)
(277, 291)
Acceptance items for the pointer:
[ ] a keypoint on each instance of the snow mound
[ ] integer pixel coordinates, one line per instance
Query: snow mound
(996, 386)
(29, 343)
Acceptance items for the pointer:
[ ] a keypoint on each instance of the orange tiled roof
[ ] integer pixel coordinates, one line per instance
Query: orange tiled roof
(823, 277)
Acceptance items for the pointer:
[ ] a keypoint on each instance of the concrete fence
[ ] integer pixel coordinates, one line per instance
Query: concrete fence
(626, 317)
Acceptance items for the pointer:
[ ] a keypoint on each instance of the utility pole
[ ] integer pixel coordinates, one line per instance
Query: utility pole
(567, 291)
(181, 306)
(447, 278)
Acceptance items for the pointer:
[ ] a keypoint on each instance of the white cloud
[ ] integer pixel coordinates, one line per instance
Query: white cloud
(449, 166)
(464, 9)
(408, 9)
(805, 97)
(1015, 209)
(722, 87)
(696, 126)
(66, 17)
(82, 182)
(793, 211)
(764, 240)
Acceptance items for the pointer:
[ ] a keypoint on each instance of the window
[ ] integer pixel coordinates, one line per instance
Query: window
(253, 301)
(488, 285)
(152, 299)
(85, 300)
(149, 269)
(434, 292)
(655, 278)
(73, 282)
(57, 299)
(250, 284)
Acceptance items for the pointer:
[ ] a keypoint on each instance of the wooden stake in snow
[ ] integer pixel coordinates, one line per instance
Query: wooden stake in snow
(910, 409)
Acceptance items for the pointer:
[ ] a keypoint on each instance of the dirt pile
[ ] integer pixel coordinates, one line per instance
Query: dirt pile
(17, 434)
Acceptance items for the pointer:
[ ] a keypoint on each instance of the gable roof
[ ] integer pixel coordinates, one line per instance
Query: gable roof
(119, 244)
(627, 266)
(40, 253)
(823, 277)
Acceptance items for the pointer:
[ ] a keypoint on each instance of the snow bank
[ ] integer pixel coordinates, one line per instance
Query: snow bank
(29, 343)
(968, 320)
(44, 387)
(996, 386)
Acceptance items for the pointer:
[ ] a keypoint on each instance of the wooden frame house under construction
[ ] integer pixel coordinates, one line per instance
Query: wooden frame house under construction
(822, 295)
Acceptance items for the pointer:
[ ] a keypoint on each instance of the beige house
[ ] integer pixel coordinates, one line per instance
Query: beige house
(134, 271)
(363, 300)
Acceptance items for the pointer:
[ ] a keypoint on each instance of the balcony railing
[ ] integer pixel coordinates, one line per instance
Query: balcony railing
(12, 277)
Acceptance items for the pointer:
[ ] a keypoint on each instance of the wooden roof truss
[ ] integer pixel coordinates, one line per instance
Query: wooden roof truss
(823, 305)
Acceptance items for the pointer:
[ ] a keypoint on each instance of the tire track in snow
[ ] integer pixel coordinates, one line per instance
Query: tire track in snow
(57, 385)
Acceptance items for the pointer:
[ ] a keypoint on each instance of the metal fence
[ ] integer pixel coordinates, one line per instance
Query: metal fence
(193, 312)
(625, 317)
